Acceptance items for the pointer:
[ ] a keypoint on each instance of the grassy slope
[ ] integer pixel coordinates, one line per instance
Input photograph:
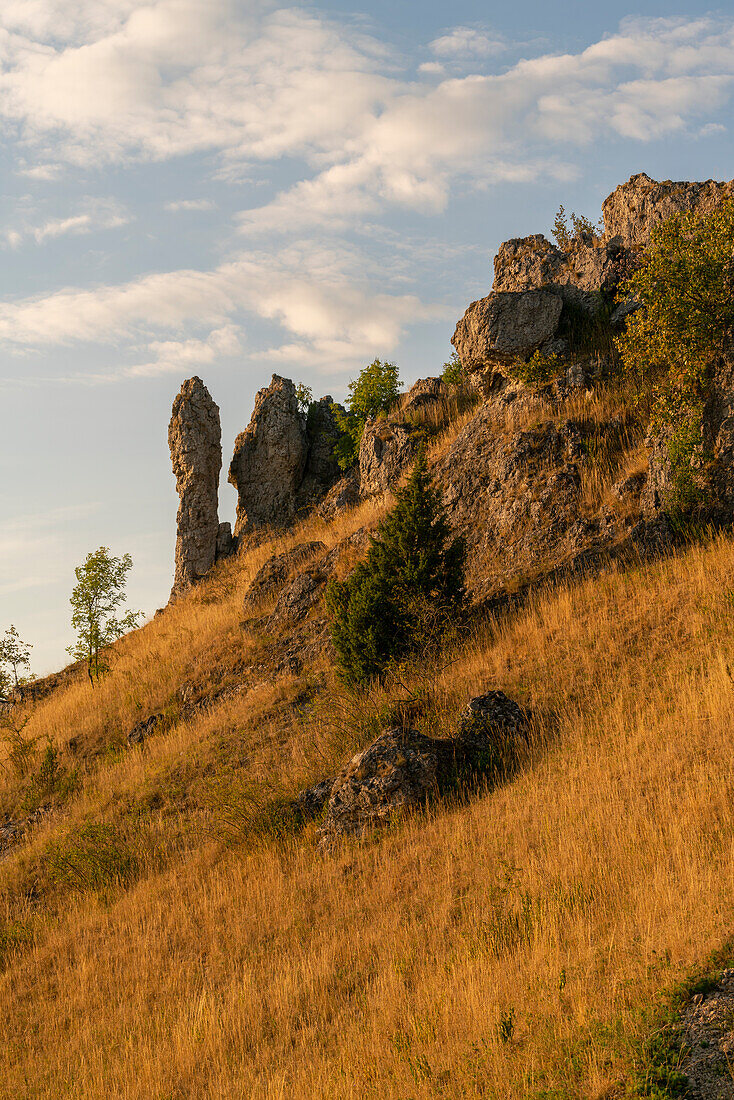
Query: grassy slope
(510, 946)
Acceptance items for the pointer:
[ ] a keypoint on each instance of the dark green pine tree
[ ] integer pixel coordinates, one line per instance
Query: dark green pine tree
(410, 585)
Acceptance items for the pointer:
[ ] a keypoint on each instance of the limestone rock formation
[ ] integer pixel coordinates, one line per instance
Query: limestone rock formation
(423, 394)
(396, 773)
(634, 208)
(485, 715)
(195, 441)
(322, 470)
(343, 495)
(499, 328)
(387, 449)
(509, 324)
(269, 459)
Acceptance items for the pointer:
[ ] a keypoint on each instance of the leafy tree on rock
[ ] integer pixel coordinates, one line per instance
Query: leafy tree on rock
(371, 394)
(99, 591)
(685, 294)
(405, 592)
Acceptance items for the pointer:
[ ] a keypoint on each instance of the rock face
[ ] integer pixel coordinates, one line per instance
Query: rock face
(633, 210)
(341, 496)
(277, 570)
(385, 452)
(708, 1042)
(322, 470)
(195, 441)
(269, 460)
(497, 329)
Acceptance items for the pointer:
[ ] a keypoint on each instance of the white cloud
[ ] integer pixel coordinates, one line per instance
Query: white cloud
(96, 215)
(466, 42)
(189, 204)
(324, 298)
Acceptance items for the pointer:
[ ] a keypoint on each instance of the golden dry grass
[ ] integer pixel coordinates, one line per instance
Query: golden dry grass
(504, 947)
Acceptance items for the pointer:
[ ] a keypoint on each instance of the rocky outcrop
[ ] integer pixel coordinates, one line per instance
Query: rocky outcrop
(195, 441)
(322, 470)
(269, 460)
(403, 768)
(512, 322)
(386, 451)
(424, 394)
(634, 208)
(343, 495)
(498, 329)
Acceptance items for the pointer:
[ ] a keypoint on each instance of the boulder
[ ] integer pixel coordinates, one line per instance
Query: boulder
(497, 330)
(396, 773)
(269, 460)
(142, 730)
(386, 451)
(277, 570)
(195, 441)
(343, 495)
(297, 599)
(486, 715)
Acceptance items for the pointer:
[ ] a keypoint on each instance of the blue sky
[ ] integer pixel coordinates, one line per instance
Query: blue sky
(235, 187)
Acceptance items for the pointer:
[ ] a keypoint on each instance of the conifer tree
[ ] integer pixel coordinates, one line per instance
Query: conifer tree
(405, 591)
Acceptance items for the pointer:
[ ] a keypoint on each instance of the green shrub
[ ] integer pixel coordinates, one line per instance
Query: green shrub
(684, 290)
(407, 590)
(537, 371)
(95, 857)
(453, 373)
(372, 393)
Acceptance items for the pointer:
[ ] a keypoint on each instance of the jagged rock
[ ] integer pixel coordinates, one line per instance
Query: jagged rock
(634, 208)
(277, 570)
(513, 496)
(424, 393)
(503, 327)
(396, 773)
(345, 494)
(322, 470)
(385, 452)
(527, 263)
(311, 802)
(194, 438)
(269, 460)
(485, 715)
(708, 1042)
(353, 545)
(226, 544)
(297, 599)
(140, 732)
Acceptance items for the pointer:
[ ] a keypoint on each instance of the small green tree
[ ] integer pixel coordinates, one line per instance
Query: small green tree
(372, 393)
(685, 291)
(15, 655)
(99, 591)
(405, 592)
(453, 373)
(304, 397)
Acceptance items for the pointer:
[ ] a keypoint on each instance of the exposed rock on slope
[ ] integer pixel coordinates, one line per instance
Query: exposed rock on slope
(195, 441)
(386, 450)
(634, 208)
(269, 459)
(509, 323)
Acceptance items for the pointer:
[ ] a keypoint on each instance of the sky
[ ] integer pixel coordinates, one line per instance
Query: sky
(233, 188)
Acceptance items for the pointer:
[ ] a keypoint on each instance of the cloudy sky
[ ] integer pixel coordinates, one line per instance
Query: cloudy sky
(235, 187)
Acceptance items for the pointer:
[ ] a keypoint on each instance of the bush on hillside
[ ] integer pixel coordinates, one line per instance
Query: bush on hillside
(407, 590)
(371, 394)
(685, 293)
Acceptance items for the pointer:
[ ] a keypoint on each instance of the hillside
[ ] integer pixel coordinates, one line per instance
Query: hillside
(176, 924)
